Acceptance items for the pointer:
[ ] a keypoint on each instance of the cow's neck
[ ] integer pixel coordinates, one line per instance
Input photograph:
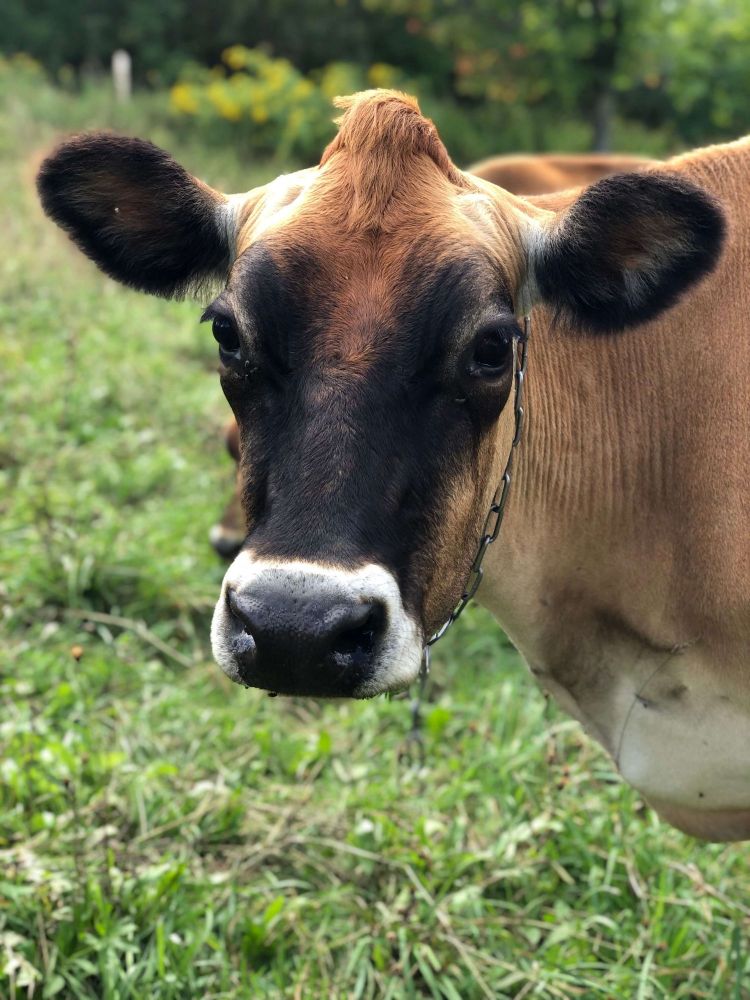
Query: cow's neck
(630, 502)
(582, 531)
(607, 576)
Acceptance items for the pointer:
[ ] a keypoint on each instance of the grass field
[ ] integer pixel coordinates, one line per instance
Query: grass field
(164, 834)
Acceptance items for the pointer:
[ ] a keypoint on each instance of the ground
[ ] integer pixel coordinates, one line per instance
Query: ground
(165, 834)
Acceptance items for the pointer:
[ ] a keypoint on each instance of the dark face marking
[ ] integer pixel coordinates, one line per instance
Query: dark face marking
(362, 420)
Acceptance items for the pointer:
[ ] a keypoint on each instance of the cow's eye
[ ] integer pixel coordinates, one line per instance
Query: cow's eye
(225, 333)
(492, 353)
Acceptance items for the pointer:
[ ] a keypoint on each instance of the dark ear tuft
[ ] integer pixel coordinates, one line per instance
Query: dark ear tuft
(627, 249)
(135, 212)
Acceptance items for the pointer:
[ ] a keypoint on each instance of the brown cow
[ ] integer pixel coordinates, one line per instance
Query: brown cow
(548, 172)
(228, 534)
(520, 174)
(366, 333)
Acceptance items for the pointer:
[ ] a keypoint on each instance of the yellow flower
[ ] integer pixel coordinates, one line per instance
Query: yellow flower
(301, 90)
(235, 57)
(231, 111)
(224, 104)
(182, 98)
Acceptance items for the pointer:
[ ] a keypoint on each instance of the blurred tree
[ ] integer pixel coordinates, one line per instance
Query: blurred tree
(161, 36)
(706, 69)
(553, 56)
(509, 73)
(84, 33)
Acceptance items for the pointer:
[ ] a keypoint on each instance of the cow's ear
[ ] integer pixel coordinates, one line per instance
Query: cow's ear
(626, 249)
(137, 213)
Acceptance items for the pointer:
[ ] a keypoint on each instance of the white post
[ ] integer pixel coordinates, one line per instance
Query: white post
(122, 75)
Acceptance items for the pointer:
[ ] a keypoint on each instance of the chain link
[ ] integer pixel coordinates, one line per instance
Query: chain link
(494, 518)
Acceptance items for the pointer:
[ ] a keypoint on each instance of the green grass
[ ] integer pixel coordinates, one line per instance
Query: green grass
(164, 834)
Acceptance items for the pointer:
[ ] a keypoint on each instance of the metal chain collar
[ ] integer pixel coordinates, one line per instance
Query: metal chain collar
(494, 518)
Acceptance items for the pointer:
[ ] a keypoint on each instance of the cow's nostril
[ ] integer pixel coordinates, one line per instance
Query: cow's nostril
(325, 644)
(356, 642)
(237, 610)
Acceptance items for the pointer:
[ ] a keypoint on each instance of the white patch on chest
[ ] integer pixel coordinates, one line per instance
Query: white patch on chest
(689, 743)
(676, 726)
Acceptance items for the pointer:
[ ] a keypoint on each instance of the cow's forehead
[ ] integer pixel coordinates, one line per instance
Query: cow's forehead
(386, 173)
(332, 204)
(302, 242)
(353, 300)
(385, 237)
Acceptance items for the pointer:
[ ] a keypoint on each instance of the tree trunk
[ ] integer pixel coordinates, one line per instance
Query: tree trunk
(604, 110)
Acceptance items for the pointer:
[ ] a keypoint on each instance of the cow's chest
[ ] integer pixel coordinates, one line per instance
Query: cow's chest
(676, 723)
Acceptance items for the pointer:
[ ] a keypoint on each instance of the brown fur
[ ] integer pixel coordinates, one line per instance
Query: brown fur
(381, 133)
(623, 569)
(548, 172)
(388, 130)
(631, 495)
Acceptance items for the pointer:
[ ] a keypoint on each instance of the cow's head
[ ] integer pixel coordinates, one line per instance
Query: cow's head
(366, 329)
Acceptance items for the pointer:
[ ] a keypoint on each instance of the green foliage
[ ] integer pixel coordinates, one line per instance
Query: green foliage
(20, 73)
(163, 36)
(683, 66)
(263, 103)
(267, 107)
(165, 835)
(706, 72)
(500, 74)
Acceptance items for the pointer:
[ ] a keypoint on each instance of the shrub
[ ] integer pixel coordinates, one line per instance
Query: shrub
(262, 102)
(20, 74)
(268, 105)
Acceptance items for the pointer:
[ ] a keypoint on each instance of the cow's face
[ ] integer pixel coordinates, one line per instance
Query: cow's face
(366, 333)
(367, 369)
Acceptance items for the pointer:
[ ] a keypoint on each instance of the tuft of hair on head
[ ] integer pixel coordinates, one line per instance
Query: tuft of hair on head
(382, 132)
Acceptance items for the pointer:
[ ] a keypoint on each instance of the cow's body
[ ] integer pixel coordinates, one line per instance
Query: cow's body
(624, 572)
(228, 534)
(548, 172)
(366, 335)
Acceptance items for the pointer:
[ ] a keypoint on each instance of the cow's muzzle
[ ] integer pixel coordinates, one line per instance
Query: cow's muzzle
(324, 644)
(313, 629)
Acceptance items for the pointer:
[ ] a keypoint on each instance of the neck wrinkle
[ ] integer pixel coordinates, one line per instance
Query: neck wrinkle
(599, 436)
(589, 508)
